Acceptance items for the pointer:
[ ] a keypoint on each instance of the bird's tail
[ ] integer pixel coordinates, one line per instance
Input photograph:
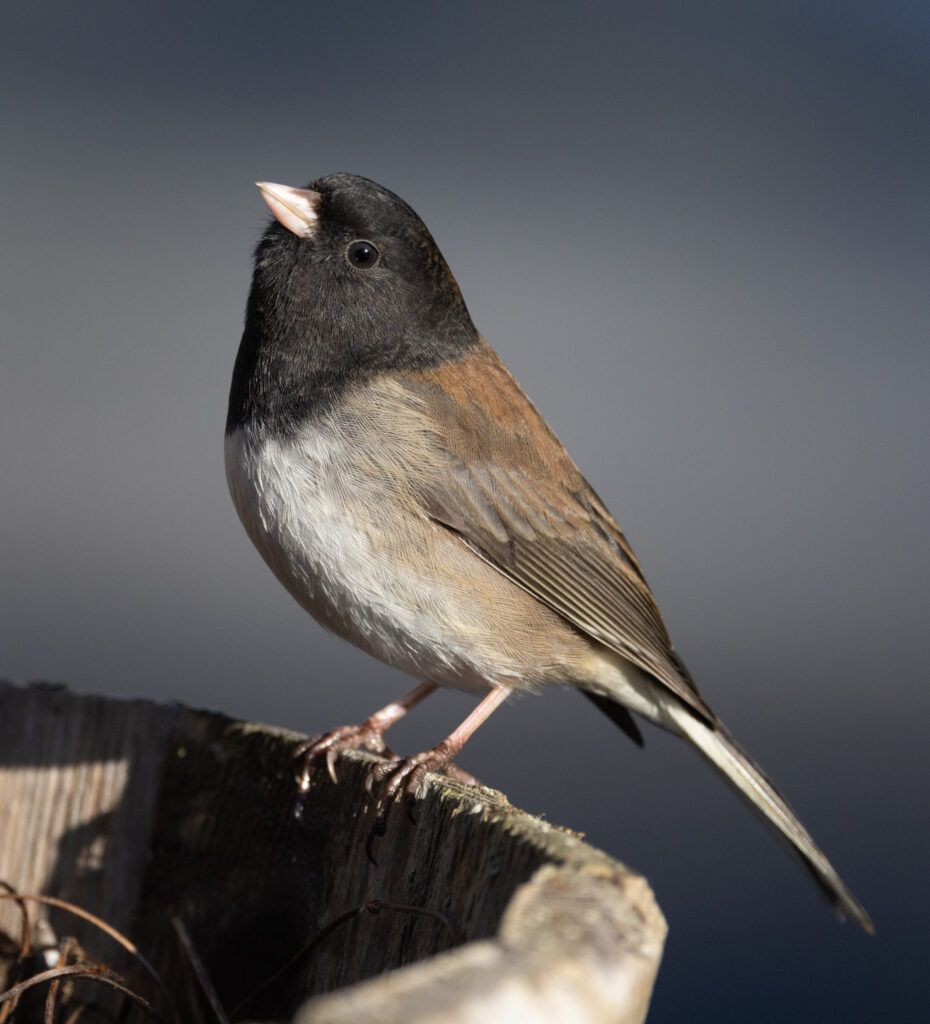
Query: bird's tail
(751, 782)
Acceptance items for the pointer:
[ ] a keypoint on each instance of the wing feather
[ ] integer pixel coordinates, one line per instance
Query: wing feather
(515, 497)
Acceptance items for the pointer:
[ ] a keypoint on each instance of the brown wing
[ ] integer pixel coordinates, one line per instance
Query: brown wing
(509, 489)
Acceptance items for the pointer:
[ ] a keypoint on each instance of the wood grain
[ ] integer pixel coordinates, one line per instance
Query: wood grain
(142, 813)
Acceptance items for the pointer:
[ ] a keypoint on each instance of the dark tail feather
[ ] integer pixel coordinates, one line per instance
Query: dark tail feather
(618, 714)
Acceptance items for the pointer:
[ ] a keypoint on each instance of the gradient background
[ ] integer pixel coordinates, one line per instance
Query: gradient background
(700, 236)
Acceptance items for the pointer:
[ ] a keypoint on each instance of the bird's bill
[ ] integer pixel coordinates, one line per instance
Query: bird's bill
(294, 208)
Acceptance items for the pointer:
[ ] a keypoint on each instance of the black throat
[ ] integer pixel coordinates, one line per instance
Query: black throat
(301, 348)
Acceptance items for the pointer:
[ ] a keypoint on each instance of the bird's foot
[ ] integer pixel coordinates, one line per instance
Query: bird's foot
(407, 775)
(369, 734)
(388, 782)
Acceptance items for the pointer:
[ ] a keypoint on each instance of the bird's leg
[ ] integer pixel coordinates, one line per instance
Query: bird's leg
(407, 775)
(369, 733)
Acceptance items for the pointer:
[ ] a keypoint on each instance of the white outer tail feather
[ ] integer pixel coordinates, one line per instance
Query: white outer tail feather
(751, 783)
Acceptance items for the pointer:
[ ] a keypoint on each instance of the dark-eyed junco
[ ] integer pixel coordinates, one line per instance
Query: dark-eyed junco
(407, 493)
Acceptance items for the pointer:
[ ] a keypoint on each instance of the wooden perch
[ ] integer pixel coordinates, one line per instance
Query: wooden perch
(170, 822)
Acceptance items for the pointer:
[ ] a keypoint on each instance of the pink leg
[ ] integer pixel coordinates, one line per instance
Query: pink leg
(348, 737)
(408, 774)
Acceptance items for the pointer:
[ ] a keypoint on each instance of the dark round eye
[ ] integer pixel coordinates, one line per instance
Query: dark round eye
(362, 255)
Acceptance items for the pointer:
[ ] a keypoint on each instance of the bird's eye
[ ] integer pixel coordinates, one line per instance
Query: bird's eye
(362, 255)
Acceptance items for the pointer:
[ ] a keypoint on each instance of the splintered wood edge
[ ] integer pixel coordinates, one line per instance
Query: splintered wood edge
(580, 941)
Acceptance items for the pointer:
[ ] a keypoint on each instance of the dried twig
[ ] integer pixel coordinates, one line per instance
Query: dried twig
(199, 970)
(11, 893)
(101, 974)
(6, 1011)
(103, 926)
(374, 906)
(69, 949)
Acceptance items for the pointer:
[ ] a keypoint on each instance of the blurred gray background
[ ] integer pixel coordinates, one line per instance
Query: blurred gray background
(700, 236)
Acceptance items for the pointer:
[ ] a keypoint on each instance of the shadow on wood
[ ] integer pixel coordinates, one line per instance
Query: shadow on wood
(143, 813)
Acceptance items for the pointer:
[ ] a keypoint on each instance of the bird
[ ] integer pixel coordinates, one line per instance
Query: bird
(407, 493)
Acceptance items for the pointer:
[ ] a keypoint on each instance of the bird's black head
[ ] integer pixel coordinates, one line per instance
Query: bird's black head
(348, 283)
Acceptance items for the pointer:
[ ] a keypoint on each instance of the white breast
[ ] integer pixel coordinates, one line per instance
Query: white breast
(342, 545)
(293, 511)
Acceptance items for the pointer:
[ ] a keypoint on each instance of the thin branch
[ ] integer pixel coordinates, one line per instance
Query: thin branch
(200, 970)
(108, 929)
(11, 893)
(371, 906)
(100, 974)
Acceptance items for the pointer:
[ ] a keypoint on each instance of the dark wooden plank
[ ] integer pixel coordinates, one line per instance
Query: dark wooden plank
(146, 813)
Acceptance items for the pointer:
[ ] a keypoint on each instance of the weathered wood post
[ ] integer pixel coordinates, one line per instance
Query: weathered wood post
(151, 814)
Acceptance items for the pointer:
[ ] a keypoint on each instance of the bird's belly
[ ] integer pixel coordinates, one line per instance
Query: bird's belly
(375, 571)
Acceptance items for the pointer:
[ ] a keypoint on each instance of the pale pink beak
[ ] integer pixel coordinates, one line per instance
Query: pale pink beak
(295, 208)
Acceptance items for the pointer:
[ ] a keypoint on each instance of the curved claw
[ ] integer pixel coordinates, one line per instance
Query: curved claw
(331, 764)
(407, 776)
(328, 747)
(379, 773)
(369, 734)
